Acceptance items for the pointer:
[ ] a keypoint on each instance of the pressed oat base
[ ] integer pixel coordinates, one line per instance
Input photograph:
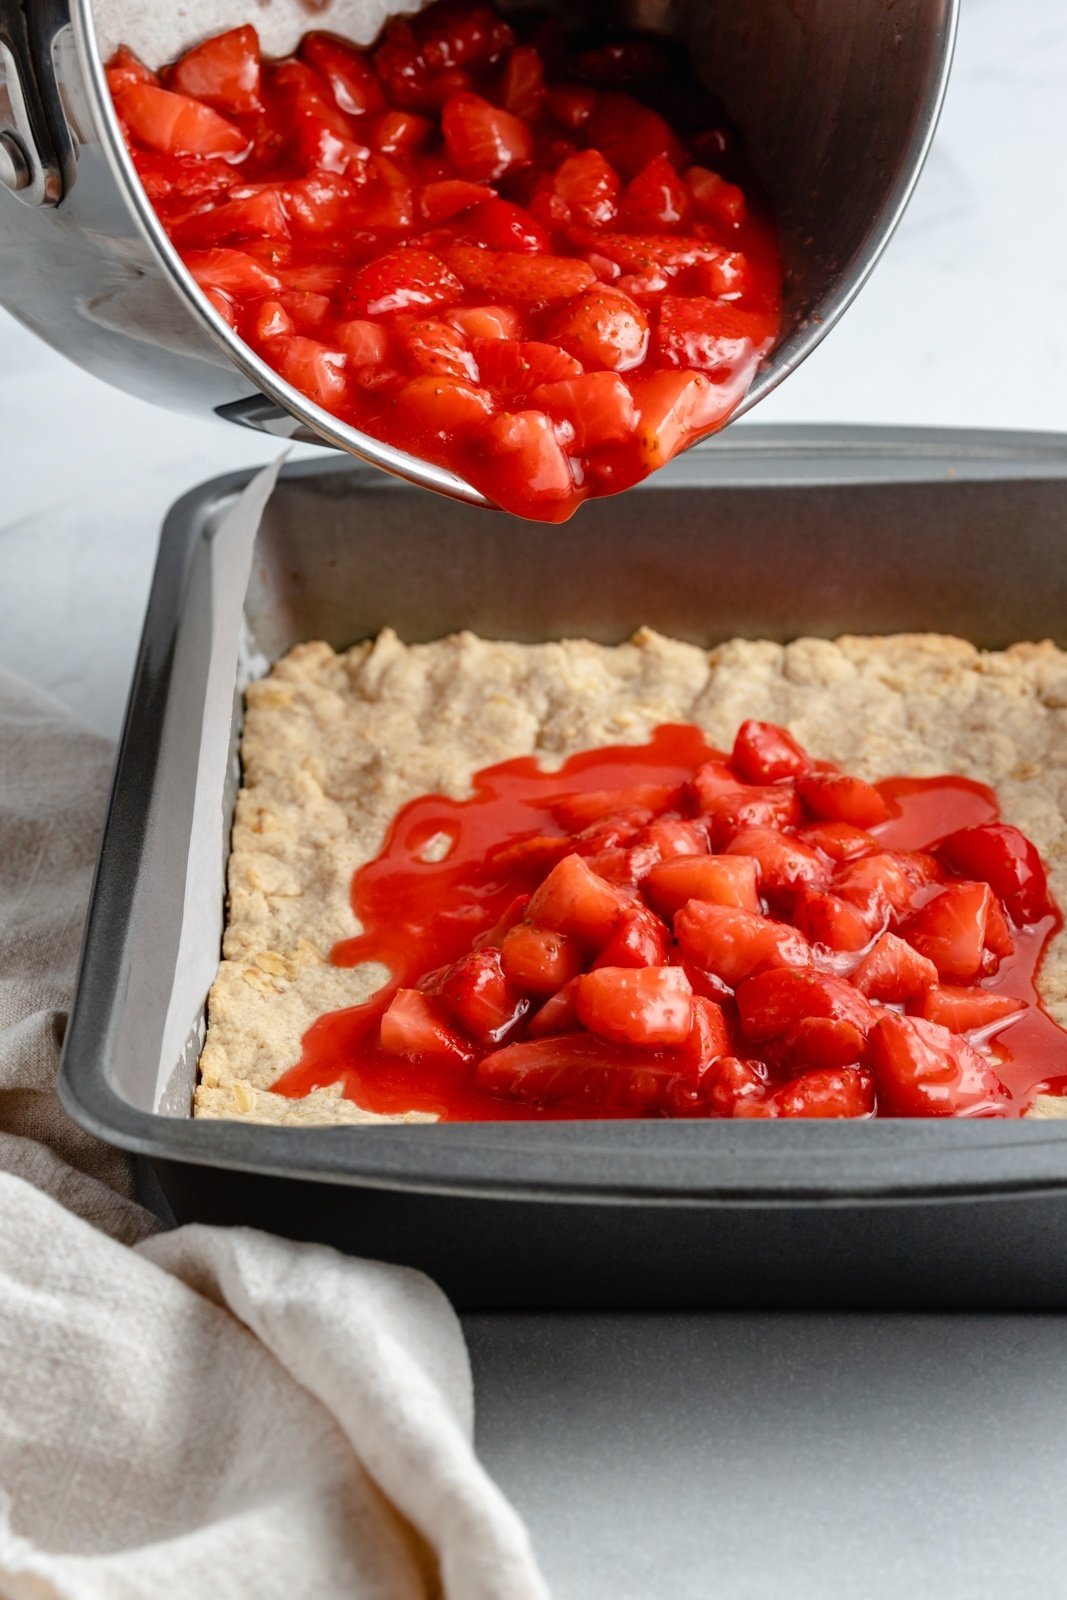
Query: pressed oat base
(335, 747)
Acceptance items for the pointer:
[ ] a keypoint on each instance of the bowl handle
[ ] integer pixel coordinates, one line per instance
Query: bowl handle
(29, 160)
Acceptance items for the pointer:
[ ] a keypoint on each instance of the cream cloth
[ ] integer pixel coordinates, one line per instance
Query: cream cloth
(210, 1412)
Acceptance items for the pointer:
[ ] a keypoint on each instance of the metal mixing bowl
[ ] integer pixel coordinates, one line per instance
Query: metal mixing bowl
(838, 101)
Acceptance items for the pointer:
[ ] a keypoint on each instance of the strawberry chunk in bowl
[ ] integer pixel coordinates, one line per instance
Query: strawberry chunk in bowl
(612, 287)
(670, 930)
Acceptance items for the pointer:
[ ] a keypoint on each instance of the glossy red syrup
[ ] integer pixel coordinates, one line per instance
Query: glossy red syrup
(537, 260)
(420, 915)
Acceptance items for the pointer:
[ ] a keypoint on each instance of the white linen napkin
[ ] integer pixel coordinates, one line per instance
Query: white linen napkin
(210, 1412)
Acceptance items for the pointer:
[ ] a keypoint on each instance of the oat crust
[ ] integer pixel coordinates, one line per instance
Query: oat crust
(334, 744)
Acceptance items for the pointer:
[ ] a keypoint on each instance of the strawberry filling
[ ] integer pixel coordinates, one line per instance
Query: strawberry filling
(670, 930)
(530, 262)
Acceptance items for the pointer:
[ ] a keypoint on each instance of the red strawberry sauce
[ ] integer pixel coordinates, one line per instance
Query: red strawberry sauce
(537, 260)
(622, 813)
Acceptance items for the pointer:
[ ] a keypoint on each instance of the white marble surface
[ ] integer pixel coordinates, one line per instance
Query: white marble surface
(627, 1441)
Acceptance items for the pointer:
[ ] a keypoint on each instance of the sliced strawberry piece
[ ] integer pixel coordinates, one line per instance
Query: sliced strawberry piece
(733, 806)
(539, 961)
(457, 34)
(519, 279)
(598, 407)
(577, 1070)
(250, 214)
(522, 83)
(964, 1010)
(923, 1070)
(587, 186)
(559, 1014)
(320, 204)
(399, 132)
(709, 336)
(672, 836)
(640, 940)
(733, 943)
(502, 225)
(272, 321)
(878, 885)
(485, 322)
(575, 811)
(648, 1007)
(571, 105)
(648, 254)
(892, 970)
(400, 66)
(630, 134)
(232, 271)
(998, 937)
(438, 349)
(604, 328)
(825, 1042)
(444, 407)
(998, 854)
(830, 922)
(829, 1092)
(833, 797)
(731, 1083)
(364, 343)
(316, 369)
(719, 880)
(772, 1003)
(838, 840)
(483, 140)
(951, 930)
(401, 280)
(656, 199)
(175, 125)
(709, 1037)
(125, 69)
(516, 367)
(534, 472)
(714, 198)
(483, 1000)
(574, 900)
(785, 863)
(673, 410)
(417, 1025)
(765, 753)
(355, 85)
(449, 197)
(223, 72)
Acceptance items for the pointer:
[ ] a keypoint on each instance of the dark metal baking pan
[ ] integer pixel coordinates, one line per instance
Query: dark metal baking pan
(768, 532)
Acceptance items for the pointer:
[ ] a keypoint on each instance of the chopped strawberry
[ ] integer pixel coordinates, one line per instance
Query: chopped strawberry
(535, 460)
(951, 930)
(892, 970)
(484, 322)
(401, 280)
(232, 271)
(833, 797)
(176, 125)
(963, 1010)
(125, 69)
(733, 806)
(580, 1071)
(316, 369)
(443, 406)
(825, 1042)
(714, 198)
(459, 34)
(515, 367)
(709, 1037)
(539, 961)
(604, 328)
(731, 1083)
(483, 140)
(319, 204)
(732, 943)
(435, 348)
(641, 939)
(559, 1014)
(720, 880)
(672, 409)
(998, 854)
(482, 998)
(522, 84)
(274, 322)
(923, 1070)
(399, 132)
(598, 407)
(448, 197)
(416, 1025)
(223, 72)
(838, 840)
(502, 225)
(587, 187)
(772, 1003)
(364, 343)
(998, 939)
(257, 213)
(709, 336)
(765, 753)
(785, 862)
(829, 1092)
(574, 900)
(523, 280)
(645, 254)
(877, 884)
(830, 922)
(571, 105)
(629, 134)
(649, 1007)
(591, 805)
(655, 199)
(348, 71)
(674, 836)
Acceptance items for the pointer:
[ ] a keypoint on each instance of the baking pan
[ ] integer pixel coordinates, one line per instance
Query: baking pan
(768, 532)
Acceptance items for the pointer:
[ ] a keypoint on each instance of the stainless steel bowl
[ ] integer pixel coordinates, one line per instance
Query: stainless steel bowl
(838, 102)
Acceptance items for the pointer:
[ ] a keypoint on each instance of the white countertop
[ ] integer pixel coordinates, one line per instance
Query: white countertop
(892, 1456)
